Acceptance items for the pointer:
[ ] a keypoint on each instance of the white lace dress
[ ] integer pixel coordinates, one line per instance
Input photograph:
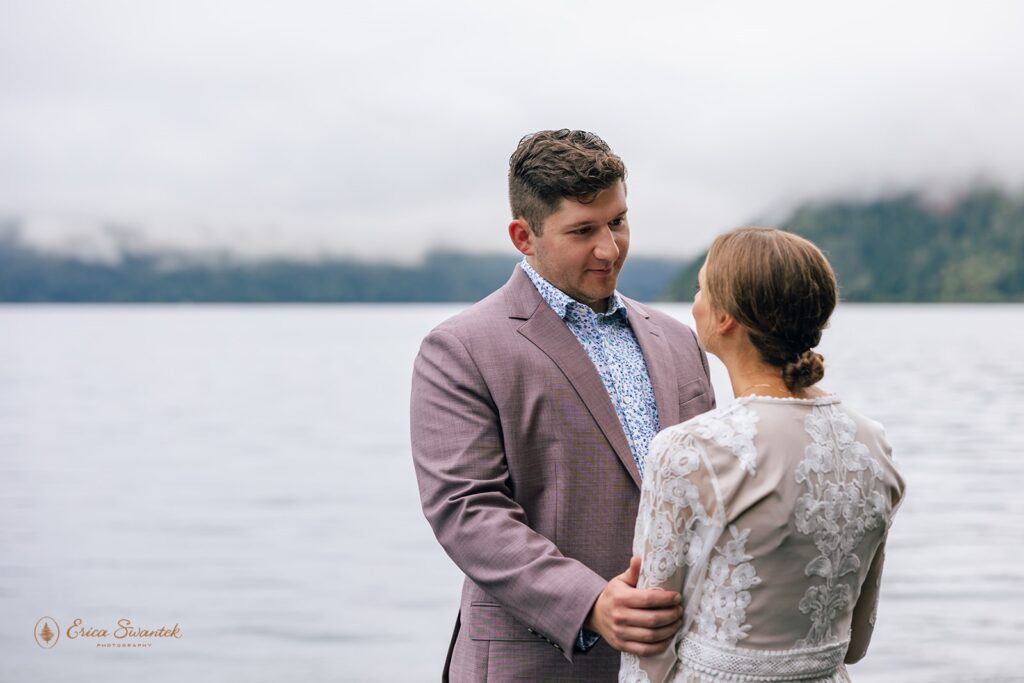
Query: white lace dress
(770, 517)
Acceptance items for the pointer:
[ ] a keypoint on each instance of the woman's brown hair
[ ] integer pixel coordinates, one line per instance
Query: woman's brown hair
(781, 288)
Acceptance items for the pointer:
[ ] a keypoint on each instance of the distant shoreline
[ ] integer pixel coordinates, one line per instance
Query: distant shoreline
(893, 250)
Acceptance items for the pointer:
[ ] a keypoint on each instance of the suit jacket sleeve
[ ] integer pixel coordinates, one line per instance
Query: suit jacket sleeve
(465, 491)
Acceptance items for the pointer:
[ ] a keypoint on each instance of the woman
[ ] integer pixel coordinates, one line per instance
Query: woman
(769, 515)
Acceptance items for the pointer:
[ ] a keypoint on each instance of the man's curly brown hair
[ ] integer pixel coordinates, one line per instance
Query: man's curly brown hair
(552, 164)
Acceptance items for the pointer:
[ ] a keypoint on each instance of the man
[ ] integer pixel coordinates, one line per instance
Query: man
(531, 415)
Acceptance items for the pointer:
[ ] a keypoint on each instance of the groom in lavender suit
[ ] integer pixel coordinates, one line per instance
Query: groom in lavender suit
(531, 415)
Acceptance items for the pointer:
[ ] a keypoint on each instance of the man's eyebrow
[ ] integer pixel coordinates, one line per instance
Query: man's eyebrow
(576, 226)
(581, 224)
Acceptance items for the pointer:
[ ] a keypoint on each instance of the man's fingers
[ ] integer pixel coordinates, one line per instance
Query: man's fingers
(647, 619)
(649, 599)
(632, 574)
(641, 622)
(649, 636)
(644, 649)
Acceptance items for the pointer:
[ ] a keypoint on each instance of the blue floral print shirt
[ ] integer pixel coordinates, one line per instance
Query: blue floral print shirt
(612, 347)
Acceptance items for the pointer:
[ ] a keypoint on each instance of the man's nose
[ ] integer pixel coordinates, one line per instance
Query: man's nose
(606, 249)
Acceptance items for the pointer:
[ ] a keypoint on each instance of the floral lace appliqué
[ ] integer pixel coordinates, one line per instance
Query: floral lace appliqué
(726, 594)
(840, 504)
(668, 517)
(630, 671)
(733, 429)
(680, 528)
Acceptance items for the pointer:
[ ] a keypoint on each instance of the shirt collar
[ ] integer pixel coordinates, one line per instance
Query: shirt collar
(563, 304)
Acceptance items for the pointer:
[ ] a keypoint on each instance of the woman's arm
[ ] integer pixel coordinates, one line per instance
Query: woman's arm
(678, 521)
(863, 624)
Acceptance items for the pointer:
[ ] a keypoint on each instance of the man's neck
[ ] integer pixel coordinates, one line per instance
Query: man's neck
(601, 306)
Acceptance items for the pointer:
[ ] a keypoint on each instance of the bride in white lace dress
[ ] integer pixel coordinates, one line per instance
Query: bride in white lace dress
(770, 515)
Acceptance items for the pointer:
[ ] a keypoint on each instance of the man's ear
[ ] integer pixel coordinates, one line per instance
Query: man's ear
(522, 236)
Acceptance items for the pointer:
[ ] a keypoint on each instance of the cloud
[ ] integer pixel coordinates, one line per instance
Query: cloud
(386, 128)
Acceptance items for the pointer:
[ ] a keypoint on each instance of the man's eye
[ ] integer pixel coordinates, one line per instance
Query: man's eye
(698, 286)
(617, 221)
(581, 231)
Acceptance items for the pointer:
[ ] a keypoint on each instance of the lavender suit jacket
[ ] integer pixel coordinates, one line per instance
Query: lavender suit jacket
(526, 476)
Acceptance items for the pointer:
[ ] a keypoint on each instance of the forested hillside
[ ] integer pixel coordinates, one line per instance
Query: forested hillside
(908, 249)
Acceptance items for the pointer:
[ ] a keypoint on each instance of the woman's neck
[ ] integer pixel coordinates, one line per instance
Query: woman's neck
(749, 376)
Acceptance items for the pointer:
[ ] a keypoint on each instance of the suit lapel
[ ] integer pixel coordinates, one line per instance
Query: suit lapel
(551, 335)
(660, 365)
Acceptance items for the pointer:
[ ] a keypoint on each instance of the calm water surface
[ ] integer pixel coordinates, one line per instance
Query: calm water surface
(244, 472)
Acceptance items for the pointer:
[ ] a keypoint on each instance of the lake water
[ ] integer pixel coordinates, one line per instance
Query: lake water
(244, 472)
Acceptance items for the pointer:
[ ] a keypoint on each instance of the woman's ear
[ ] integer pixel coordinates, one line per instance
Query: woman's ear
(725, 323)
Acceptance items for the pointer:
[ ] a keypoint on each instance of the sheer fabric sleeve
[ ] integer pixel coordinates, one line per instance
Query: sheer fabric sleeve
(863, 624)
(680, 518)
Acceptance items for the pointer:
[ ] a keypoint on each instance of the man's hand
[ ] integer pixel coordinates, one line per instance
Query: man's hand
(641, 622)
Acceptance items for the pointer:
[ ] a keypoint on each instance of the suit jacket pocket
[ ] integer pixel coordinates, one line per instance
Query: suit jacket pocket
(489, 621)
(691, 391)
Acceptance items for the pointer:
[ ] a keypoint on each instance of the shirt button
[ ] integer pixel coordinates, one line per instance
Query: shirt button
(628, 400)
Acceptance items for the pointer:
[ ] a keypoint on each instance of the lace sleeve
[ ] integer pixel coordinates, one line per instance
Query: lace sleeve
(681, 516)
(863, 625)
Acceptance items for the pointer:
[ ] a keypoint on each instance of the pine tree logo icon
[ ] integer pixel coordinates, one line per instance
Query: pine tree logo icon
(47, 633)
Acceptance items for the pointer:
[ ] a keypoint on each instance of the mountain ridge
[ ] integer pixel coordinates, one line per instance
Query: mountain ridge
(909, 248)
(902, 248)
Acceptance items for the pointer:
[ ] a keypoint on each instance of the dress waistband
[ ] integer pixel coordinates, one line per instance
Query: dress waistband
(745, 664)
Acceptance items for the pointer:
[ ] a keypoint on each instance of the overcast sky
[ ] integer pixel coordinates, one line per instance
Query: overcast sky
(384, 129)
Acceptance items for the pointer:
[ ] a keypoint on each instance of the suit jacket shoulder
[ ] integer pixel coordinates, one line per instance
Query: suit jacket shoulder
(516, 300)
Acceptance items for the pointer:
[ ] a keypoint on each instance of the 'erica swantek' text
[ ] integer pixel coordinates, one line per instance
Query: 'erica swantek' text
(124, 629)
